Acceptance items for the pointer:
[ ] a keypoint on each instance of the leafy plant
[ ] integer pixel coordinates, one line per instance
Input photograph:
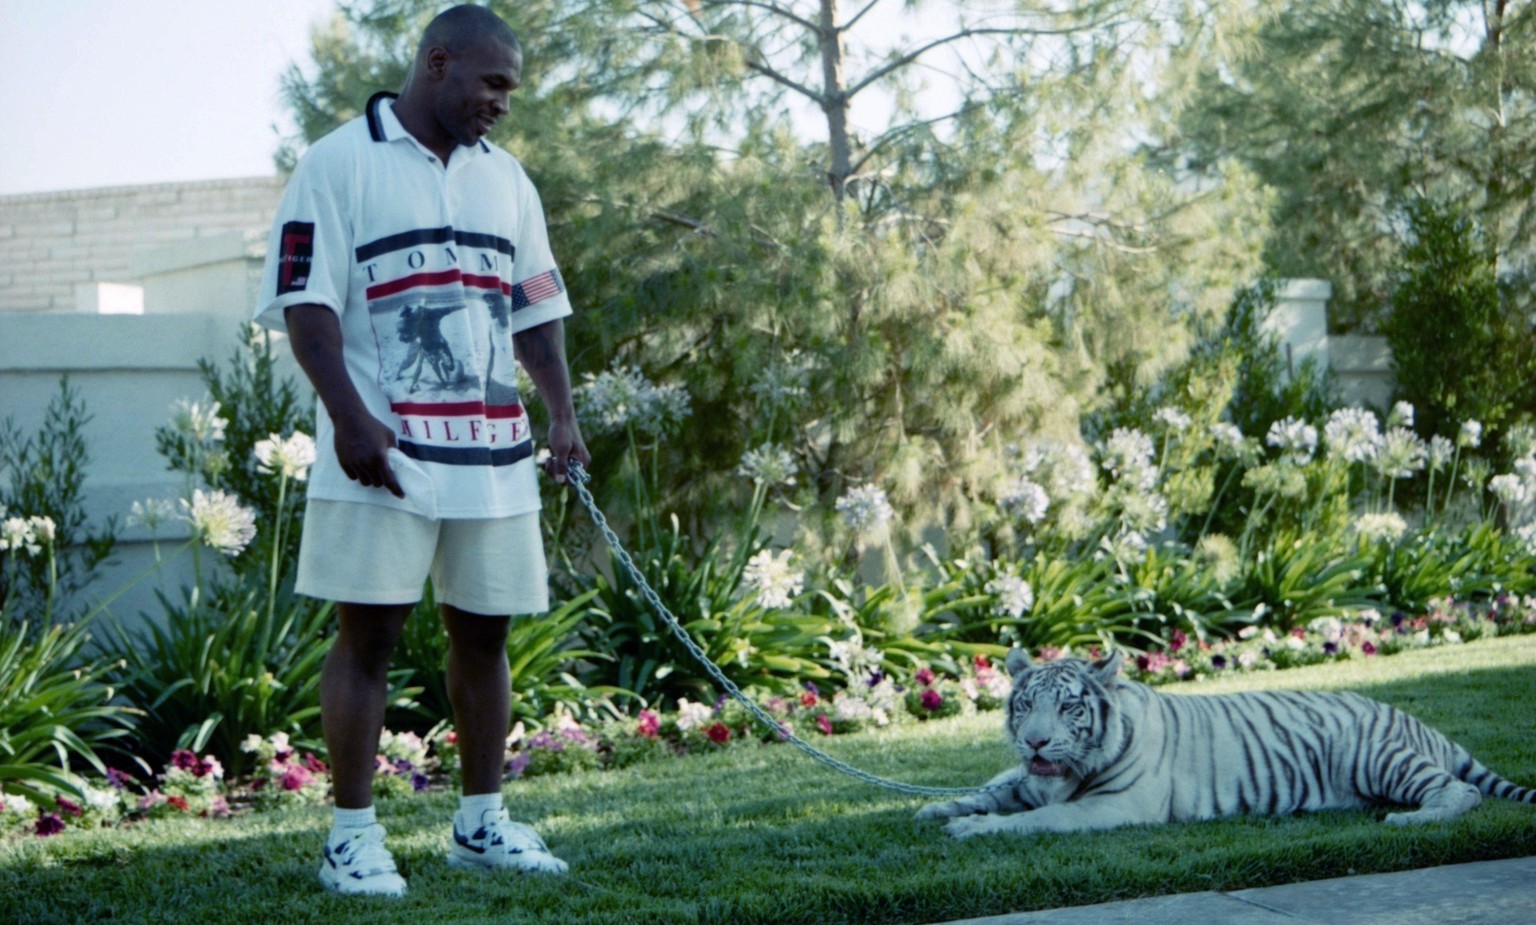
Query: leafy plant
(46, 478)
(1477, 563)
(225, 666)
(1294, 579)
(56, 710)
(544, 658)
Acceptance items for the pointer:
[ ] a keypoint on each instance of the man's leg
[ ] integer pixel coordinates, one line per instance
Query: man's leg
(354, 688)
(484, 836)
(479, 690)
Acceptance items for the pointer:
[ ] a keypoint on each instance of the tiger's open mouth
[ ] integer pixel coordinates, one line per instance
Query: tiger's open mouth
(1041, 768)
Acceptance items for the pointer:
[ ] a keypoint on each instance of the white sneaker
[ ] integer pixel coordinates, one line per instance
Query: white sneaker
(360, 865)
(498, 843)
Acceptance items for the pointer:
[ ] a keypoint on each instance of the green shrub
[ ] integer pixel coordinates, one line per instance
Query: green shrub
(57, 713)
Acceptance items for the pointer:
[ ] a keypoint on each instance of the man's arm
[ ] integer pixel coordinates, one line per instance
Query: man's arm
(362, 440)
(541, 351)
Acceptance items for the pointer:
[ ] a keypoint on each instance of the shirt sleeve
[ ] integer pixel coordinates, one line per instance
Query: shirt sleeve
(309, 251)
(538, 290)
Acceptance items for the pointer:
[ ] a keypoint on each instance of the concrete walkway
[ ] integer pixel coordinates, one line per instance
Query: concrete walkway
(1485, 893)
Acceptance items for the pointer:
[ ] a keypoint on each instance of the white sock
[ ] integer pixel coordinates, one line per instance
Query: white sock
(475, 807)
(343, 820)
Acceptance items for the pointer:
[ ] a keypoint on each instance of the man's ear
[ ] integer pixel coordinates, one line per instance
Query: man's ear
(437, 61)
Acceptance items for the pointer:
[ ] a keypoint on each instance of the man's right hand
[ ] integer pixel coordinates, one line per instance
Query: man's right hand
(362, 447)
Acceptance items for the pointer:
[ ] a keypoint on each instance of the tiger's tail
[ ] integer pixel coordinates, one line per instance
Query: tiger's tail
(1478, 775)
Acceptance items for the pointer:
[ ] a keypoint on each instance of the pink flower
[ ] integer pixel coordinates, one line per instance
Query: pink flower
(1051, 654)
(49, 824)
(924, 676)
(296, 777)
(1178, 642)
(718, 733)
(69, 807)
(932, 700)
(151, 799)
(650, 724)
(1368, 648)
(314, 765)
(824, 724)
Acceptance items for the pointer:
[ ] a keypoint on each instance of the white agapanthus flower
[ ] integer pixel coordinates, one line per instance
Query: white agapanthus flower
(622, 397)
(768, 465)
(1388, 527)
(1441, 452)
(865, 508)
(16, 535)
(289, 458)
(1027, 499)
(1352, 434)
(1227, 436)
(1471, 434)
(1172, 417)
(1402, 454)
(201, 423)
(151, 513)
(1508, 488)
(785, 382)
(1143, 511)
(44, 531)
(1295, 438)
(220, 521)
(1014, 595)
(1401, 415)
(854, 659)
(1064, 469)
(769, 574)
(1128, 454)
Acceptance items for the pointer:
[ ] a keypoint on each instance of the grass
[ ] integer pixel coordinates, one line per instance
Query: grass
(761, 835)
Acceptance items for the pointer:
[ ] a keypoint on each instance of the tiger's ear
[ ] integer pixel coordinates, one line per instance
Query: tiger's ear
(1107, 669)
(1017, 661)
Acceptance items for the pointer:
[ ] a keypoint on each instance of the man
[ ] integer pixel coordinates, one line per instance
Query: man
(409, 209)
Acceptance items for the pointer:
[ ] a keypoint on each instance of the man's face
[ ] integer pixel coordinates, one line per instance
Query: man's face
(474, 89)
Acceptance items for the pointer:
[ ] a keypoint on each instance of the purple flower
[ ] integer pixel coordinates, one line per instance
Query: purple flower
(813, 689)
(419, 782)
(183, 759)
(117, 779)
(1369, 648)
(875, 677)
(49, 824)
(518, 764)
(932, 700)
(924, 676)
(1219, 662)
(1330, 648)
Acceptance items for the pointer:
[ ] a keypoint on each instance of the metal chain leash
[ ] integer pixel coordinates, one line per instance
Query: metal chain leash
(579, 479)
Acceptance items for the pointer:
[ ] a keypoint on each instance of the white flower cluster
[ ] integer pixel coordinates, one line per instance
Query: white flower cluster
(1471, 434)
(202, 424)
(1352, 434)
(854, 659)
(849, 708)
(1509, 488)
(784, 383)
(26, 534)
(693, 715)
(1173, 418)
(1228, 438)
(865, 508)
(1027, 498)
(289, 458)
(151, 513)
(1128, 455)
(1294, 438)
(622, 397)
(1402, 453)
(1014, 595)
(1386, 527)
(768, 465)
(220, 521)
(770, 576)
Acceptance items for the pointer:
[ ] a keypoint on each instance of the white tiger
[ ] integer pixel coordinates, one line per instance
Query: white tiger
(1099, 751)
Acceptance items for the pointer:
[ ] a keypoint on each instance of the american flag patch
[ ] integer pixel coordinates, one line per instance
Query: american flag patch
(536, 289)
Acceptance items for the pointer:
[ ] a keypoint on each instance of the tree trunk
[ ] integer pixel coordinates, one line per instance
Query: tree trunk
(834, 100)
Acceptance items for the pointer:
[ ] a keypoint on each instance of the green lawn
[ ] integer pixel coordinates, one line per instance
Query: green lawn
(763, 835)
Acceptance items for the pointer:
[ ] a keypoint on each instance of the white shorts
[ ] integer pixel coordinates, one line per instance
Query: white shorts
(370, 554)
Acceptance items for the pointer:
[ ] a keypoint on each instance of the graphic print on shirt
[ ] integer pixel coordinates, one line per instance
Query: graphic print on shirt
(441, 304)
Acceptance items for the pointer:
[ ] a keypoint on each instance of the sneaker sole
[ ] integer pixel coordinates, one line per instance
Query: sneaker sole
(461, 862)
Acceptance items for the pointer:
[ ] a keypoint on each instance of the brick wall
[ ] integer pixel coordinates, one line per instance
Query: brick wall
(52, 242)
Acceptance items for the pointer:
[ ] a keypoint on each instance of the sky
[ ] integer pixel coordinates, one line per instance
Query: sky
(121, 92)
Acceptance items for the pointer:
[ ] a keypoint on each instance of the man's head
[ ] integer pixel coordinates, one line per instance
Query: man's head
(468, 61)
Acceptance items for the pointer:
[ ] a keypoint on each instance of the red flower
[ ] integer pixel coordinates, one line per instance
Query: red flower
(179, 801)
(718, 734)
(1368, 647)
(49, 824)
(932, 700)
(452, 738)
(824, 724)
(808, 700)
(314, 765)
(980, 662)
(924, 676)
(650, 724)
(69, 806)
(1178, 642)
(183, 759)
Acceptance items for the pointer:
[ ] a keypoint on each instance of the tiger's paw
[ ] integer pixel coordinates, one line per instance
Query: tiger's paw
(942, 810)
(969, 826)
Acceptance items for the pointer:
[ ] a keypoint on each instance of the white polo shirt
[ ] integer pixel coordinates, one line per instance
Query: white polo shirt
(431, 272)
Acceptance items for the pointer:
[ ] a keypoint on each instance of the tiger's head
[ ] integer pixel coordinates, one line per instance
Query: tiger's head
(1061, 713)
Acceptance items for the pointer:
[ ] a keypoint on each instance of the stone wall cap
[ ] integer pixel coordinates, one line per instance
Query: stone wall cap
(250, 244)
